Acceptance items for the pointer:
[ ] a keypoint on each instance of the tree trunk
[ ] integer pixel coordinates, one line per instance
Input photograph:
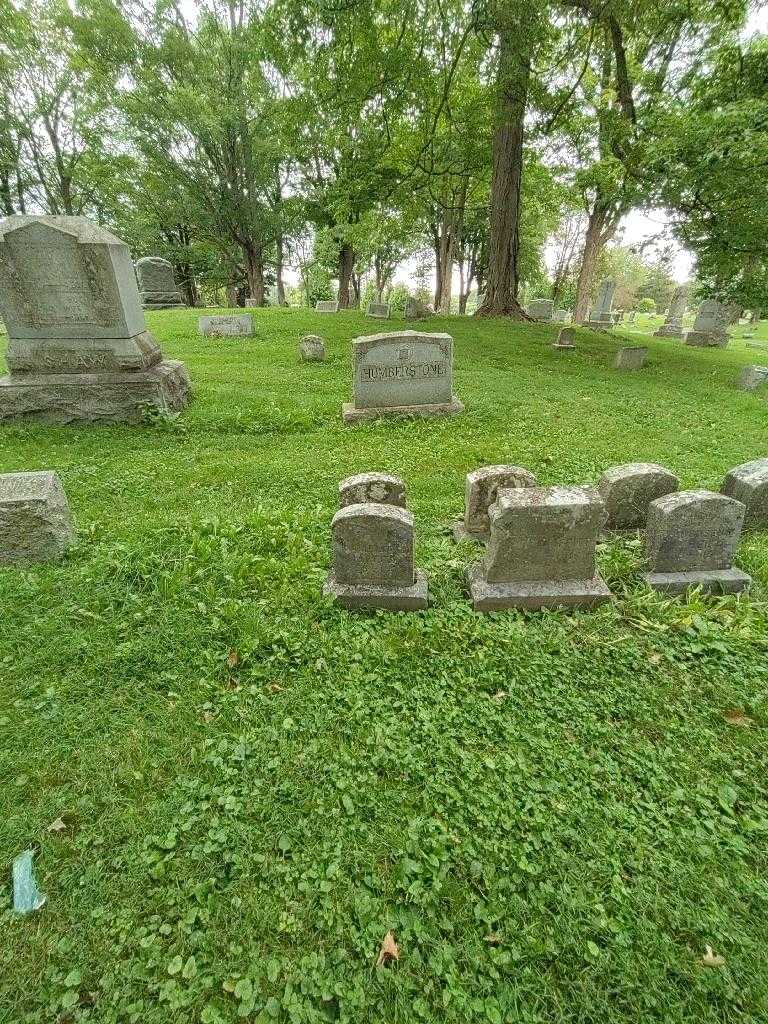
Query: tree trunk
(280, 284)
(254, 270)
(506, 180)
(346, 268)
(600, 229)
(356, 280)
(233, 299)
(438, 270)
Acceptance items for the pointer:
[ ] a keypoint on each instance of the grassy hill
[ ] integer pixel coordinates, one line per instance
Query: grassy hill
(554, 813)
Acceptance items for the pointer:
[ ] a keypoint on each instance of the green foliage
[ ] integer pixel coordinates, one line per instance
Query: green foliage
(646, 305)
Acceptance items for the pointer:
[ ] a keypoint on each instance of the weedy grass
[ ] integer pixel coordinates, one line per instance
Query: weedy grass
(555, 814)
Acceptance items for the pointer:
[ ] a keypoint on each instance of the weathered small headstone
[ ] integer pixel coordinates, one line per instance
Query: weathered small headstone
(561, 315)
(378, 310)
(601, 317)
(406, 373)
(566, 338)
(541, 309)
(79, 348)
(235, 325)
(367, 488)
(690, 541)
(673, 322)
(628, 490)
(710, 328)
(312, 348)
(480, 491)
(157, 286)
(373, 564)
(631, 316)
(326, 306)
(35, 520)
(753, 377)
(631, 358)
(415, 309)
(541, 552)
(748, 483)
(252, 303)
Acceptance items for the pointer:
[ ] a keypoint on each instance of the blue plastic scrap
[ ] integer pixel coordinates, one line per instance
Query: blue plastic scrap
(26, 896)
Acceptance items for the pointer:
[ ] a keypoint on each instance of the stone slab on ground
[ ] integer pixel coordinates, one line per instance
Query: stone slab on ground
(534, 594)
(403, 598)
(712, 581)
(753, 377)
(326, 306)
(232, 326)
(631, 358)
(352, 415)
(35, 519)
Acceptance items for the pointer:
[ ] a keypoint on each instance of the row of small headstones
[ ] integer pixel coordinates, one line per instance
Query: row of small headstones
(541, 541)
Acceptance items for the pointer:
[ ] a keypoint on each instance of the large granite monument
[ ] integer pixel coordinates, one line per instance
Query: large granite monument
(673, 322)
(79, 348)
(405, 373)
(157, 286)
(710, 328)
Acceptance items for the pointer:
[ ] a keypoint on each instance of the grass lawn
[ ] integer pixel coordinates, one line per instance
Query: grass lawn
(554, 813)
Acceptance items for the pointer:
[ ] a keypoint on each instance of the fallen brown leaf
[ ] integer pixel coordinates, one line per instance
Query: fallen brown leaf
(57, 826)
(493, 939)
(734, 716)
(389, 950)
(712, 959)
(233, 658)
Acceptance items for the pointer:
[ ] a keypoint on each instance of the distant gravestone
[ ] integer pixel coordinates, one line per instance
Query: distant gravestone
(753, 377)
(236, 325)
(372, 556)
(566, 338)
(628, 490)
(480, 491)
(415, 310)
(327, 306)
(631, 358)
(601, 317)
(673, 322)
(403, 373)
(710, 328)
(631, 316)
(252, 304)
(372, 488)
(748, 484)
(378, 310)
(541, 552)
(157, 286)
(79, 348)
(312, 349)
(541, 309)
(561, 315)
(35, 521)
(691, 539)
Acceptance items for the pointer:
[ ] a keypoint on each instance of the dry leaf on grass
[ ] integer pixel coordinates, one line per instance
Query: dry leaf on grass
(388, 951)
(493, 939)
(712, 959)
(57, 826)
(233, 659)
(735, 716)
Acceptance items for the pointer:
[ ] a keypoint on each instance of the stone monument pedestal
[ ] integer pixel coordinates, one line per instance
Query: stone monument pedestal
(711, 581)
(703, 339)
(352, 415)
(534, 594)
(406, 598)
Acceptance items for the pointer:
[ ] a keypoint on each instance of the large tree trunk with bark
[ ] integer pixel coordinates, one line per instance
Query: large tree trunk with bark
(280, 284)
(346, 269)
(254, 270)
(506, 180)
(600, 229)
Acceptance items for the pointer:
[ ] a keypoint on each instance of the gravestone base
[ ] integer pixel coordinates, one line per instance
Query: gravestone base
(599, 325)
(161, 300)
(533, 594)
(702, 339)
(668, 332)
(711, 581)
(352, 415)
(95, 397)
(404, 599)
(460, 533)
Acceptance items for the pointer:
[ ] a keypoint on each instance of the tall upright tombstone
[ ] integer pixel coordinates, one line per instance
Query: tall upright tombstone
(79, 348)
(673, 322)
(710, 328)
(601, 316)
(157, 286)
(405, 373)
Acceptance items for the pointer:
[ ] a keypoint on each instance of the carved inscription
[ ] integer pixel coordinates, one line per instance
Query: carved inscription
(404, 371)
(47, 359)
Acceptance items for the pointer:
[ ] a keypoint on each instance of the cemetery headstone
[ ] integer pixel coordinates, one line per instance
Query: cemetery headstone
(415, 310)
(480, 491)
(35, 520)
(251, 303)
(79, 348)
(372, 488)
(690, 541)
(378, 310)
(541, 552)
(402, 373)
(753, 377)
(710, 326)
(372, 556)
(631, 358)
(312, 349)
(541, 309)
(234, 325)
(628, 490)
(157, 286)
(326, 306)
(631, 316)
(601, 317)
(561, 315)
(748, 484)
(673, 322)
(566, 338)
